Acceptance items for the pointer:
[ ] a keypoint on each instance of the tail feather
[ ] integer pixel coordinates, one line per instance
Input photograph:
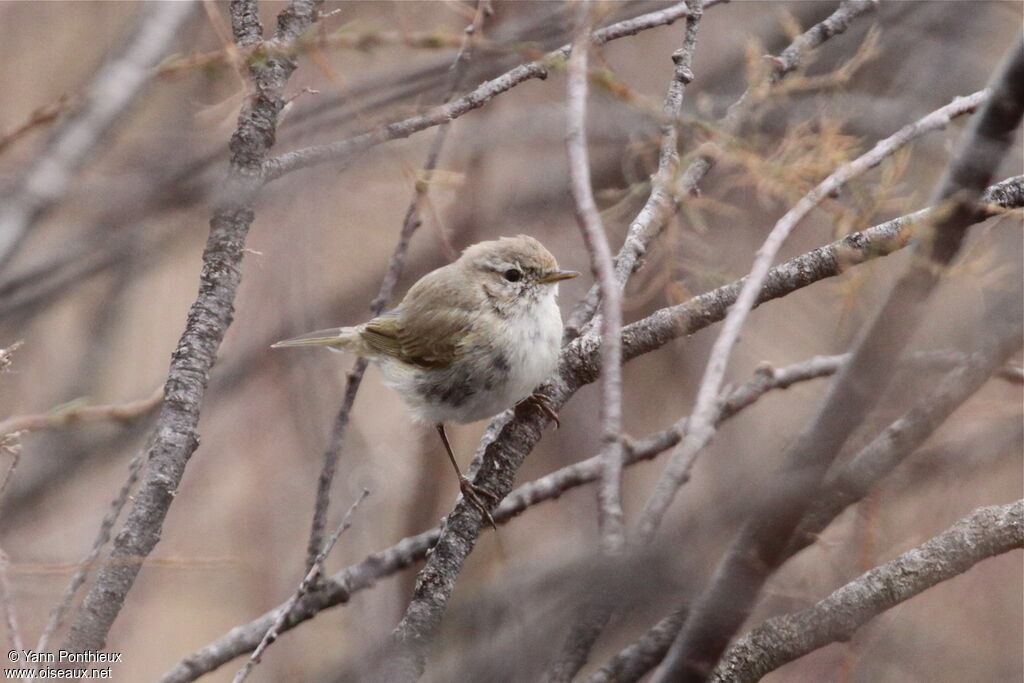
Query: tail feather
(337, 338)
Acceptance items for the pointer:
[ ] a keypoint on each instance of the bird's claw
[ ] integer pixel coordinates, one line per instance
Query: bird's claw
(543, 403)
(473, 493)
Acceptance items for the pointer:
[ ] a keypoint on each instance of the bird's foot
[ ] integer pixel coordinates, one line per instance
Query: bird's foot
(543, 403)
(473, 494)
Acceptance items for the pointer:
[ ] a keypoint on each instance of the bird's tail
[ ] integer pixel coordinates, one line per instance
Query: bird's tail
(336, 339)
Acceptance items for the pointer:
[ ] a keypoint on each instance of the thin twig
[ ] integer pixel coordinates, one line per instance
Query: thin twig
(307, 581)
(60, 611)
(986, 532)
(701, 427)
(76, 413)
(610, 521)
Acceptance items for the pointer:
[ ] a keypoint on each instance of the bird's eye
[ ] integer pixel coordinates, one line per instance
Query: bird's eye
(513, 275)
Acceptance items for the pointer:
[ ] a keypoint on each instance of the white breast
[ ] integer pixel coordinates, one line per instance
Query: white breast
(533, 343)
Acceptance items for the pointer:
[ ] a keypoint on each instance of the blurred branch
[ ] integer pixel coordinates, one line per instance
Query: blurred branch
(410, 224)
(758, 549)
(175, 435)
(113, 90)
(986, 532)
(307, 582)
(39, 116)
(579, 359)
(701, 427)
(666, 187)
(478, 97)
(77, 412)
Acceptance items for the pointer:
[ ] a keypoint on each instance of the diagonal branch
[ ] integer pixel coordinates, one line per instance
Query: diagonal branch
(986, 532)
(176, 435)
(112, 91)
(865, 470)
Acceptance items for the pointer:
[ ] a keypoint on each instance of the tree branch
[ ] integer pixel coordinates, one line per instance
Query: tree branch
(666, 187)
(588, 218)
(76, 413)
(986, 532)
(175, 436)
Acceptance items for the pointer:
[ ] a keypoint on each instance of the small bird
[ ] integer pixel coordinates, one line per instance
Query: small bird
(469, 339)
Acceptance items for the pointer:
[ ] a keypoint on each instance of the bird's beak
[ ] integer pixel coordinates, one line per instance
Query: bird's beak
(557, 276)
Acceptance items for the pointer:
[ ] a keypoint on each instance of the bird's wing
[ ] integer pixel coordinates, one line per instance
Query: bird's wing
(425, 338)
(429, 328)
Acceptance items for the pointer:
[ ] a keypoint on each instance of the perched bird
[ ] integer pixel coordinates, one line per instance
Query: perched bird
(469, 339)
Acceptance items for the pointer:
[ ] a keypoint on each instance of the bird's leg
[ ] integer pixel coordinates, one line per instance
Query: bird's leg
(544, 404)
(470, 491)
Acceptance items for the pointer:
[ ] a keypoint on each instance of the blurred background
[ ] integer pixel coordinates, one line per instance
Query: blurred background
(99, 290)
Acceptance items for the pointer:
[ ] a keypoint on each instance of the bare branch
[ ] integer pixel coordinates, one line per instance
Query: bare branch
(758, 549)
(410, 224)
(112, 91)
(986, 532)
(589, 219)
(307, 582)
(701, 427)
(176, 434)
(481, 95)
(77, 412)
